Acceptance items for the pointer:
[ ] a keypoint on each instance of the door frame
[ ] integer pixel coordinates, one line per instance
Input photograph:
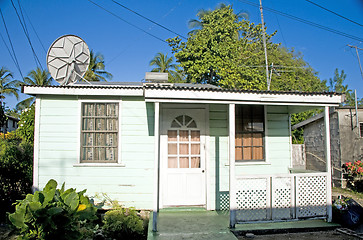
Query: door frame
(168, 106)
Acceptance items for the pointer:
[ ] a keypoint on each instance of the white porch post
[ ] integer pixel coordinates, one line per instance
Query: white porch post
(156, 166)
(328, 163)
(232, 177)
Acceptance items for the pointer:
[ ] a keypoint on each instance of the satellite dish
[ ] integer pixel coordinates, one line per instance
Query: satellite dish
(68, 59)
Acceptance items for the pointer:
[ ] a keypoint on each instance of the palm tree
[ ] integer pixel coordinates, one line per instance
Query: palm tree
(35, 77)
(96, 69)
(164, 64)
(198, 24)
(7, 85)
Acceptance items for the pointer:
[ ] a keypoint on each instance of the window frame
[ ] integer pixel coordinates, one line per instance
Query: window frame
(79, 139)
(360, 129)
(264, 138)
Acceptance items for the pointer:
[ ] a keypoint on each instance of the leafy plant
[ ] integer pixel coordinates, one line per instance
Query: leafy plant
(53, 213)
(16, 160)
(26, 124)
(123, 223)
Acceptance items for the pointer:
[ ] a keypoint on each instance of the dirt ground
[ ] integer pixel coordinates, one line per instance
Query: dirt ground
(325, 235)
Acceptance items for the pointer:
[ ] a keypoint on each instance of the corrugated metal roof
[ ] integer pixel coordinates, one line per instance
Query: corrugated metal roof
(181, 86)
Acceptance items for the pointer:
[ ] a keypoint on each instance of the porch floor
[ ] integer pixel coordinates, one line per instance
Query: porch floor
(176, 223)
(197, 223)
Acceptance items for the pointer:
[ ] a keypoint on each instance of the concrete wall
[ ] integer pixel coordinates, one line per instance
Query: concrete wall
(351, 143)
(314, 140)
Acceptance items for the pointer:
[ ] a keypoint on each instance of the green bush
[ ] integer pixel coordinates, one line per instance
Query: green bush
(53, 213)
(123, 223)
(16, 161)
(26, 124)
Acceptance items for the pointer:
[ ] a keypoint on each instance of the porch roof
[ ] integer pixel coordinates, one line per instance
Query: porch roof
(193, 93)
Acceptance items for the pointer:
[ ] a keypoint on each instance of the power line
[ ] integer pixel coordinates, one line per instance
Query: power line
(36, 34)
(127, 22)
(148, 19)
(12, 57)
(334, 13)
(11, 44)
(305, 21)
(28, 38)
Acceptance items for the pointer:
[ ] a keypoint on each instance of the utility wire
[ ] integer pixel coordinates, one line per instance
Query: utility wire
(28, 38)
(11, 44)
(149, 19)
(334, 13)
(36, 34)
(127, 22)
(305, 21)
(12, 57)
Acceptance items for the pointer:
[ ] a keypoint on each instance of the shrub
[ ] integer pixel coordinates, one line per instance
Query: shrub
(16, 160)
(26, 124)
(123, 223)
(53, 213)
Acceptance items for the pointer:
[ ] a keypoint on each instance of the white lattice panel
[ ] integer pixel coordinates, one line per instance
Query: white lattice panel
(311, 196)
(252, 199)
(281, 198)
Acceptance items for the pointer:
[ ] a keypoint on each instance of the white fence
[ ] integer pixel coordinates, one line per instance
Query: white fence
(281, 197)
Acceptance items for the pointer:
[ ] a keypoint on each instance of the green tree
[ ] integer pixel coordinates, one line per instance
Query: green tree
(26, 125)
(214, 55)
(8, 86)
(37, 77)
(96, 70)
(197, 24)
(164, 64)
(336, 85)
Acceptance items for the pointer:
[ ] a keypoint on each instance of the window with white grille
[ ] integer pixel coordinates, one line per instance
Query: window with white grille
(99, 133)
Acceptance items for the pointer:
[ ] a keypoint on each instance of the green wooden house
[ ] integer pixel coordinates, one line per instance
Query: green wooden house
(156, 145)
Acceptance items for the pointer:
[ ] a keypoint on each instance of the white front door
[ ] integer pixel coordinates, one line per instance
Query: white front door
(183, 157)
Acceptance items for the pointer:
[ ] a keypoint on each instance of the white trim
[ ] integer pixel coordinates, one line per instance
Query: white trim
(184, 95)
(242, 101)
(84, 91)
(99, 165)
(290, 141)
(156, 156)
(328, 164)
(249, 163)
(232, 177)
(253, 176)
(207, 162)
(36, 145)
(266, 136)
(119, 160)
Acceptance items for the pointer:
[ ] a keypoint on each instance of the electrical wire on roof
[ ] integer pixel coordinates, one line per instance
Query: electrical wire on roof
(148, 19)
(306, 21)
(131, 24)
(28, 38)
(350, 20)
(13, 55)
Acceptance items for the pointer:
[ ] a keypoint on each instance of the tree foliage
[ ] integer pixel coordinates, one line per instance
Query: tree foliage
(26, 125)
(336, 84)
(216, 56)
(96, 70)
(37, 77)
(8, 86)
(164, 64)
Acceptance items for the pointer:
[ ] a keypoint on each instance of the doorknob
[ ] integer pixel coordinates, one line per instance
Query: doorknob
(202, 171)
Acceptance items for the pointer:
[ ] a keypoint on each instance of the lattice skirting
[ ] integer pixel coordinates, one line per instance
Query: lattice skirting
(223, 201)
(280, 198)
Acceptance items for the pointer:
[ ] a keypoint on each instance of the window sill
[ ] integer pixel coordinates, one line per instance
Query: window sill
(99, 165)
(249, 163)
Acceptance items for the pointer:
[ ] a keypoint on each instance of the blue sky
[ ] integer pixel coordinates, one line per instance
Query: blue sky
(128, 51)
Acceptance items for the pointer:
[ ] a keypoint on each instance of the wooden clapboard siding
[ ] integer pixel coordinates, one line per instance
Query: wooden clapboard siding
(59, 151)
(218, 170)
(277, 145)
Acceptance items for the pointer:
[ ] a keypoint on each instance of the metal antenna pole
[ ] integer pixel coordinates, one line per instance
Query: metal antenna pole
(356, 50)
(264, 46)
